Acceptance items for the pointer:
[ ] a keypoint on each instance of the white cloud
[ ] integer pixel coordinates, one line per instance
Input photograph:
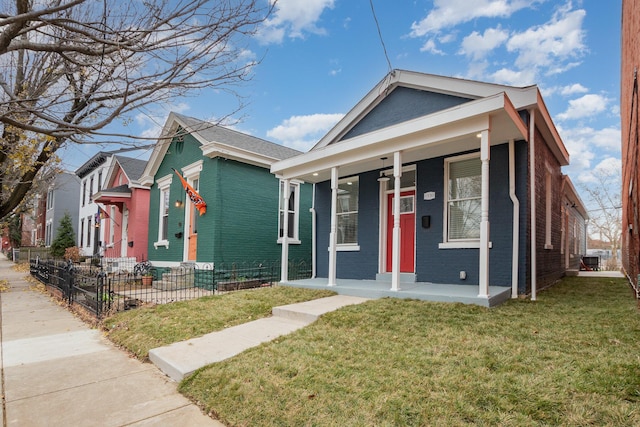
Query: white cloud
(477, 45)
(151, 123)
(585, 145)
(449, 13)
(514, 77)
(430, 46)
(302, 132)
(567, 90)
(293, 18)
(610, 165)
(585, 106)
(547, 45)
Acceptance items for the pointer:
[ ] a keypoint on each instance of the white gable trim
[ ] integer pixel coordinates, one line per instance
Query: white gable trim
(215, 149)
(465, 119)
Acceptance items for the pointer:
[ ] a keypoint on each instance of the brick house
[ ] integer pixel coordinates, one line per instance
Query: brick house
(629, 116)
(230, 171)
(438, 180)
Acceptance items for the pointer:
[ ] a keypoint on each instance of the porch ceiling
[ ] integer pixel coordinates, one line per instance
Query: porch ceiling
(444, 133)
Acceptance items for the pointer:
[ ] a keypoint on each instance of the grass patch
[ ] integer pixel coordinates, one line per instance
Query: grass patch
(142, 329)
(571, 358)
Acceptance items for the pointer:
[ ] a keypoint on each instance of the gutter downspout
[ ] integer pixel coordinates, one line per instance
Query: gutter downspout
(532, 187)
(516, 220)
(312, 209)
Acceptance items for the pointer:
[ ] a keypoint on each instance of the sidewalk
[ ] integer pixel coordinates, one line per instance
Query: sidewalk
(56, 371)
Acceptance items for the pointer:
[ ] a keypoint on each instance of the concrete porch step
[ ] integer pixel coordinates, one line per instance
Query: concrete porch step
(181, 359)
(404, 277)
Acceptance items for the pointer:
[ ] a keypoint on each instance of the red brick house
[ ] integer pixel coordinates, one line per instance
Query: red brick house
(629, 116)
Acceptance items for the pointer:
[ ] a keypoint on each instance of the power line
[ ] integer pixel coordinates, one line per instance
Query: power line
(384, 48)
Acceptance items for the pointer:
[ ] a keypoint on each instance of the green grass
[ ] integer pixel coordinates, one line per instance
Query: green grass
(143, 329)
(571, 358)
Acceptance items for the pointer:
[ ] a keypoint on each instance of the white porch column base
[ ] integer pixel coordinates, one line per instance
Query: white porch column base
(334, 228)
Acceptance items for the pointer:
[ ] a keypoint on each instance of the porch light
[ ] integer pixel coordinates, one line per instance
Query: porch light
(383, 177)
(178, 203)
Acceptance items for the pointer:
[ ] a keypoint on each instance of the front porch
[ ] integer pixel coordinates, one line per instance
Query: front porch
(466, 294)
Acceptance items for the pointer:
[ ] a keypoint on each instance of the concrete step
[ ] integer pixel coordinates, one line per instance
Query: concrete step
(309, 311)
(181, 359)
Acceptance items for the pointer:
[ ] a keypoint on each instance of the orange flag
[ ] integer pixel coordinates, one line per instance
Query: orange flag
(195, 198)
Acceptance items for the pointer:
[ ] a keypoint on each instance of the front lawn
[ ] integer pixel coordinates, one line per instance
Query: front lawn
(571, 358)
(143, 329)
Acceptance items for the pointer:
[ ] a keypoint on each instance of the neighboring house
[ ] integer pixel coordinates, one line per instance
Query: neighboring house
(629, 120)
(439, 180)
(230, 171)
(92, 173)
(574, 216)
(125, 202)
(28, 230)
(63, 194)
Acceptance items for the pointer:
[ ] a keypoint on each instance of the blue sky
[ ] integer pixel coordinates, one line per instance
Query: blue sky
(320, 57)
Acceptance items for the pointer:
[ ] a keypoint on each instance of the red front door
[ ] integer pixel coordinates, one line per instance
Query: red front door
(407, 231)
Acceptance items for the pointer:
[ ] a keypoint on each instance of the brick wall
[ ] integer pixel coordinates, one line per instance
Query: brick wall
(630, 42)
(550, 265)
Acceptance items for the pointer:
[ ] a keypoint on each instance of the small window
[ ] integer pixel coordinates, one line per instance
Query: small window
(347, 215)
(89, 231)
(82, 232)
(463, 203)
(292, 211)
(50, 200)
(164, 213)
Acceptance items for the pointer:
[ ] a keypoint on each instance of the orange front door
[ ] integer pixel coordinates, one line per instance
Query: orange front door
(193, 228)
(407, 231)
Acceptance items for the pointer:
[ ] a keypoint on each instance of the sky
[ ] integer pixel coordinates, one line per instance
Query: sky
(321, 57)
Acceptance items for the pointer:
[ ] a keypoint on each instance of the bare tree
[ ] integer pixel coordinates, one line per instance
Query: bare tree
(605, 213)
(69, 68)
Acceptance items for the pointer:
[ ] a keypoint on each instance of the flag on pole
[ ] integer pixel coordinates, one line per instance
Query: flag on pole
(195, 198)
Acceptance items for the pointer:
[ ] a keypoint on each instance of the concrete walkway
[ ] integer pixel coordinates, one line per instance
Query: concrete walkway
(180, 359)
(56, 371)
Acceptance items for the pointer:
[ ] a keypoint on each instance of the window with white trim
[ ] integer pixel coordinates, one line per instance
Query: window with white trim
(164, 213)
(292, 210)
(112, 225)
(463, 198)
(163, 210)
(347, 211)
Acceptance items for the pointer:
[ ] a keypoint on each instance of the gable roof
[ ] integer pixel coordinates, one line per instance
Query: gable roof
(480, 106)
(216, 141)
(131, 167)
(97, 160)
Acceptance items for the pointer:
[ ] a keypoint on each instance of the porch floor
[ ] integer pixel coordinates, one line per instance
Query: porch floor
(466, 294)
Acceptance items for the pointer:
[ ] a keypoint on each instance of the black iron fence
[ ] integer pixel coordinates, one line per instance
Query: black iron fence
(102, 291)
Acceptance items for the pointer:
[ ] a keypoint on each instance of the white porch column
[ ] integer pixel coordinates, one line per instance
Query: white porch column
(284, 263)
(483, 291)
(395, 261)
(333, 230)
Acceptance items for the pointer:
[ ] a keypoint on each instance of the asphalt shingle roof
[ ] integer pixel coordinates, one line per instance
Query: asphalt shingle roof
(214, 133)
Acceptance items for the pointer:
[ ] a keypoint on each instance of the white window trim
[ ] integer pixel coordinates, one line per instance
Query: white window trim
(163, 184)
(347, 247)
(355, 246)
(192, 170)
(295, 240)
(455, 244)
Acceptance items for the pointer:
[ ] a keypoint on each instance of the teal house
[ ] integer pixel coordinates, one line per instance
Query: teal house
(228, 207)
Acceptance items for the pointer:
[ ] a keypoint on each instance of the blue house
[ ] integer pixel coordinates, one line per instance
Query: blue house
(438, 185)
